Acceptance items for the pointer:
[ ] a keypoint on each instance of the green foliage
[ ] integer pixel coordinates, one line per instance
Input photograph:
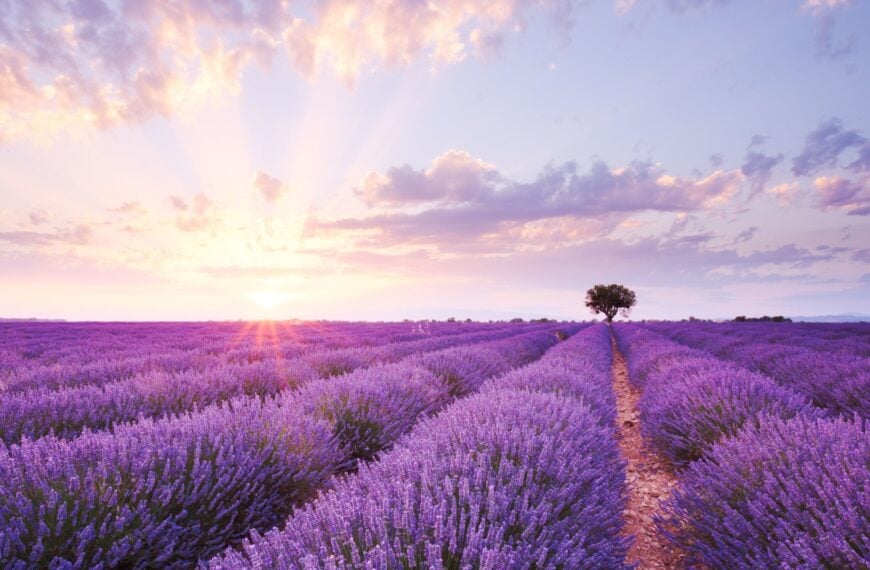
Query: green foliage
(610, 299)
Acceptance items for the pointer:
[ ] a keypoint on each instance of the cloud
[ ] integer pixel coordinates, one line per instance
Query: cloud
(746, 234)
(688, 262)
(135, 208)
(79, 234)
(201, 213)
(462, 197)
(270, 272)
(861, 256)
(839, 193)
(269, 187)
(683, 5)
(454, 178)
(623, 7)
(178, 203)
(823, 147)
(825, 44)
(39, 217)
(785, 193)
(71, 64)
(27, 238)
(823, 12)
(679, 225)
(821, 5)
(758, 168)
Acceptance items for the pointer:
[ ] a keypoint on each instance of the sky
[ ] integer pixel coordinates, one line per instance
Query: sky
(391, 159)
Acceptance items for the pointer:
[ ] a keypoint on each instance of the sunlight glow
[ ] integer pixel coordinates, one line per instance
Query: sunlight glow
(268, 299)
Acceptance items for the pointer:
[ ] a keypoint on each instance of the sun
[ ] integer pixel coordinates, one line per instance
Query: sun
(268, 299)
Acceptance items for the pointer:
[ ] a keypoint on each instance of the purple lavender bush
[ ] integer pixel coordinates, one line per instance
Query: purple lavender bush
(499, 480)
(688, 407)
(67, 412)
(834, 373)
(370, 408)
(784, 495)
(647, 352)
(463, 369)
(578, 368)
(838, 382)
(159, 493)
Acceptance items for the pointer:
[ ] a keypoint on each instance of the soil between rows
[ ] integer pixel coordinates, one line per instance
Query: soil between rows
(650, 478)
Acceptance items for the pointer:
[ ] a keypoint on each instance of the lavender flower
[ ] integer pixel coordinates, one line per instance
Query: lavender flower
(784, 495)
(506, 479)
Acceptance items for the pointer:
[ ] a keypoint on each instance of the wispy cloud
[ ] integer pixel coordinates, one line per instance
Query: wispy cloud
(758, 168)
(200, 213)
(270, 188)
(131, 208)
(72, 64)
(39, 217)
(824, 145)
(79, 234)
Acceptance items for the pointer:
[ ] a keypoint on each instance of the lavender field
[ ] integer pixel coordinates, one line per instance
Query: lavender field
(431, 445)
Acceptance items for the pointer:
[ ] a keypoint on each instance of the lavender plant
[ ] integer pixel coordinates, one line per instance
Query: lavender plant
(159, 493)
(787, 494)
(507, 479)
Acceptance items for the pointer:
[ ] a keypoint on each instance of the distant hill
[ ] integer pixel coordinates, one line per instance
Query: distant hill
(841, 318)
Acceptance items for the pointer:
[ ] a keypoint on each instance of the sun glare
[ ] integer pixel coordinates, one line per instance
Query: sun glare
(268, 299)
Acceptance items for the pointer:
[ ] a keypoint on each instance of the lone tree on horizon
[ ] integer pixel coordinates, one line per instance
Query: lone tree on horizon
(610, 299)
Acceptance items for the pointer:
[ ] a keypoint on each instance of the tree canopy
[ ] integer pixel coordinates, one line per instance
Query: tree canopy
(610, 299)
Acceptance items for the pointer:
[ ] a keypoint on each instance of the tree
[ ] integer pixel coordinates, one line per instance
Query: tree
(610, 299)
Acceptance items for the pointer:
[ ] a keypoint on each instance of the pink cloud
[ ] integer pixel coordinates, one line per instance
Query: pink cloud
(78, 64)
(454, 177)
(785, 193)
(201, 213)
(840, 193)
(132, 208)
(178, 203)
(270, 188)
(39, 217)
(78, 234)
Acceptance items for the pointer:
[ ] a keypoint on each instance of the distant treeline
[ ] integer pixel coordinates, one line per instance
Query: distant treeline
(764, 319)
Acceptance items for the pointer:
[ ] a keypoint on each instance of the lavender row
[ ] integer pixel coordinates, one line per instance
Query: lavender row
(523, 475)
(29, 346)
(837, 381)
(263, 341)
(580, 368)
(369, 409)
(691, 400)
(167, 493)
(848, 338)
(67, 412)
(785, 494)
(766, 482)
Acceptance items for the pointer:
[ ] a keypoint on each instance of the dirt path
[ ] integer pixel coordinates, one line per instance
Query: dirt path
(650, 479)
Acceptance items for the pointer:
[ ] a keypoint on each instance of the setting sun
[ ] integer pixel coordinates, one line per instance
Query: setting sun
(268, 299)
